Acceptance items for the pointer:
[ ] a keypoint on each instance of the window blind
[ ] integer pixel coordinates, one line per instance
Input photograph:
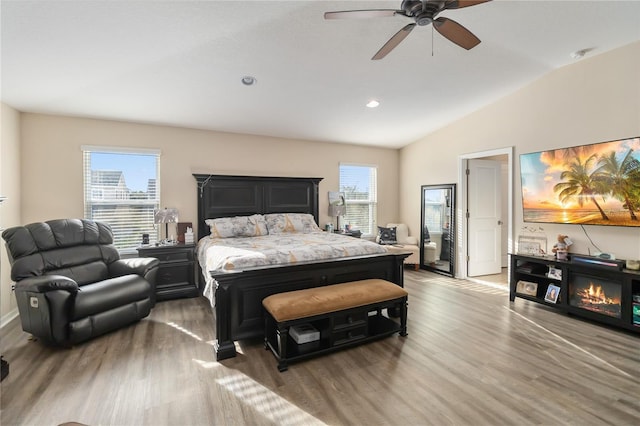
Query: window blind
(122, 188)
(359, 184)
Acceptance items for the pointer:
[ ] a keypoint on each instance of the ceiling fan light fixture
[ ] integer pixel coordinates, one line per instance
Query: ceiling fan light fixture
(422, 12)
(373, 103)
(248, 80)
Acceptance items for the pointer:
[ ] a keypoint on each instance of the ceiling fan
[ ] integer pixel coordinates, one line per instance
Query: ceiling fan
(423, 12)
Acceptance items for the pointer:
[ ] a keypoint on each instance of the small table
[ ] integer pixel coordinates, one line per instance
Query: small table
(177, 271)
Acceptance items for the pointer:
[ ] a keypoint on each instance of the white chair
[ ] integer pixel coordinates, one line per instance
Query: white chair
(430, 252)
(406, 243)
(430, 247)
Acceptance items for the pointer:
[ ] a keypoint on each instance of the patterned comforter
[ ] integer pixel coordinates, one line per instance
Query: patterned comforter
(279, 249)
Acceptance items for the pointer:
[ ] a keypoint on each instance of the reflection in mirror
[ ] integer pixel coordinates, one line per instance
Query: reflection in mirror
(437, 248)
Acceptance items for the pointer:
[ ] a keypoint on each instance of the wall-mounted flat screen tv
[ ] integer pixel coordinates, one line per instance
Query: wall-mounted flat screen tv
(597, 184)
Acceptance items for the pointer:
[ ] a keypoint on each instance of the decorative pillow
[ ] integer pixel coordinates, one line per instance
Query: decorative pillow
(279, 223)
(427, 236)
(238, 226)
(387, 235)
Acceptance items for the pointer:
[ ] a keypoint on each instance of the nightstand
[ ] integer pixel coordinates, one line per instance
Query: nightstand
(176, 274)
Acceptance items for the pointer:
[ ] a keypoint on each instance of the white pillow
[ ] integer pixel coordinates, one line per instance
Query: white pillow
(280, 223)
(238, 226)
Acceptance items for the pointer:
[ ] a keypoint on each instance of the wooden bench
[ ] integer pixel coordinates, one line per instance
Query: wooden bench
(344, 315)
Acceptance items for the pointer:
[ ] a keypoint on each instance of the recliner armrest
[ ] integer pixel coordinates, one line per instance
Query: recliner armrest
(135, 265)
(46, 283)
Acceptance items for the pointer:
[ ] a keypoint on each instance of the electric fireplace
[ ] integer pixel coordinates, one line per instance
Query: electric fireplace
(595, 294)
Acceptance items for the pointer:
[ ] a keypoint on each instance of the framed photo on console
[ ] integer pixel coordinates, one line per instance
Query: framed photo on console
(532, 245)
(555, 273)
(527, 287)
(553, 291)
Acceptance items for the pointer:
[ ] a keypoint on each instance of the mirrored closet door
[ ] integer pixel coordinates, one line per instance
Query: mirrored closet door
(437, 239)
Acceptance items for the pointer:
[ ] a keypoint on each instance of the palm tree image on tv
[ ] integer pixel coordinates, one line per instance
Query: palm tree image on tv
(577, 183)
(590, 184)
(622, 178)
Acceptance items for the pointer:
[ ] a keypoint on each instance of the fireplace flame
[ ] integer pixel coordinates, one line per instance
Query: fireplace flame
(591, 295)
(595, 295)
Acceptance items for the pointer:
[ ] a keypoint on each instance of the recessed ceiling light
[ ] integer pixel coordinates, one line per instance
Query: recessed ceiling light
(372, 103)
(248, 80)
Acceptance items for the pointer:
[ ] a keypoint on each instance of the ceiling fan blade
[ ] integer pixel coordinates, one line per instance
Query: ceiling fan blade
(393, 41)
(456, 33)
(360, 14)
(459, 4)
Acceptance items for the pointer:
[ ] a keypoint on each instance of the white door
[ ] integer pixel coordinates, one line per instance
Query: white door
(484, 217)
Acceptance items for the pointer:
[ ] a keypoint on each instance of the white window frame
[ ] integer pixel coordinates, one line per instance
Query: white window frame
(127, 230)
(372, 201)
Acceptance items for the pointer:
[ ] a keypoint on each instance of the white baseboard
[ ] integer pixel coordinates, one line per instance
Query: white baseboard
(7, 318)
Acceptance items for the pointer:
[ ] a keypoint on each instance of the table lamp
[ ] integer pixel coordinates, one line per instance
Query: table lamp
(337, 206)
(166, 216)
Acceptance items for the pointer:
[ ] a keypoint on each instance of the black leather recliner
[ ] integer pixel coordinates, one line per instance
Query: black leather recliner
(71, 284)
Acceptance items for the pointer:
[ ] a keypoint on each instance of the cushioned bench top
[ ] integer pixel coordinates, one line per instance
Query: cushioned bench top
(332, 298)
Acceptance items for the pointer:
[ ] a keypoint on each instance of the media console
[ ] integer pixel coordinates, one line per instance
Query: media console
(599, 291)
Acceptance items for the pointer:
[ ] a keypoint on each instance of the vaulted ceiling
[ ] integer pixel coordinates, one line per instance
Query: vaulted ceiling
(181, 63)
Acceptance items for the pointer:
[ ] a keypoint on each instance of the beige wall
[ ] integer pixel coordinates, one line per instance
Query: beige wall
(594, 100)
(10, 208)
(52, 171)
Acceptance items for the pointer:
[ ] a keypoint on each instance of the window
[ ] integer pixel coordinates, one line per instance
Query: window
(359, 186)
(434, 210)
(121, 188)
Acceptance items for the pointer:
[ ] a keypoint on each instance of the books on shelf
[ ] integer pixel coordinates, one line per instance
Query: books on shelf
(553, 291)
(526, 267)
(532, 268)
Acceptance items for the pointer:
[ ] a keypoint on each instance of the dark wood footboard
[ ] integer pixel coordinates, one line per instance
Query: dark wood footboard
(239, 294)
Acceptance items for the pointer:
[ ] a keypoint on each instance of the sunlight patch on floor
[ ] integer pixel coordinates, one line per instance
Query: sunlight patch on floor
(491, 284)
(188, 332)
(481, 287)
(271, 405)
(207, 364)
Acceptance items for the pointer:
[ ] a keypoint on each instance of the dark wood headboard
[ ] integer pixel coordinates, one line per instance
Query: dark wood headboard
(226, 196)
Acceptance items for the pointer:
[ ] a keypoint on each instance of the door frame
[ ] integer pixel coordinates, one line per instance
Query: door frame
(463, 235)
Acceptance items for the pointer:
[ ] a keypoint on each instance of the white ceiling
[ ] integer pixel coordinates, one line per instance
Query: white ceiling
(180, 63)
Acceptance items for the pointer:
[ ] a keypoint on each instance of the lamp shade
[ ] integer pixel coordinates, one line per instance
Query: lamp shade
(165, 215)
(337, 205)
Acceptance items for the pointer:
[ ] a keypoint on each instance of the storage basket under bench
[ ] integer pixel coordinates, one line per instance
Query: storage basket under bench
(314, 321)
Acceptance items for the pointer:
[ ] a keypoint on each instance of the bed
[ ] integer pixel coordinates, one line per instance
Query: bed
(238, 291)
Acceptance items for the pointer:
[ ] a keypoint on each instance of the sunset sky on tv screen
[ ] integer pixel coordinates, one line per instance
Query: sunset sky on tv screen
(590, 177)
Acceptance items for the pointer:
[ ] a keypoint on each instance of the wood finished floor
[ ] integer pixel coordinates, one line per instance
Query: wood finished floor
(471, 358)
